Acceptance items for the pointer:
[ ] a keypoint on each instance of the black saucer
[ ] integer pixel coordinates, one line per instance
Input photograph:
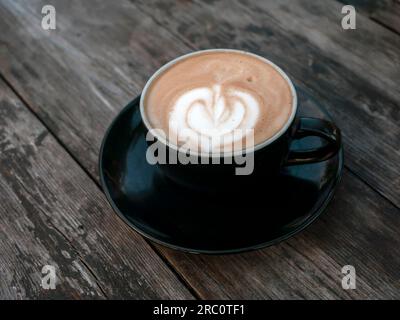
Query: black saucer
(214, 223)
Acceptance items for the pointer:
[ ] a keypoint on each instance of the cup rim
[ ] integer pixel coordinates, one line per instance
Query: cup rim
(220, 154)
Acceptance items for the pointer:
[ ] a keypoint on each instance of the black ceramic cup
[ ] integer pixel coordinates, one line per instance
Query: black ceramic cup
(210, 172)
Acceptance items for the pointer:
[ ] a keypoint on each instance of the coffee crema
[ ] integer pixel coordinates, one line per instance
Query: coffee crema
(218, 101)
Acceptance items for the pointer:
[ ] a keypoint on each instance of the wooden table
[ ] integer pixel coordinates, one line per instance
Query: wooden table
(60, 89)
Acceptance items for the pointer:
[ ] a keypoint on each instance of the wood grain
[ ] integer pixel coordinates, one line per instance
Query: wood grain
(79, 76)
(359, 229)
(52, 213)
(353, 73)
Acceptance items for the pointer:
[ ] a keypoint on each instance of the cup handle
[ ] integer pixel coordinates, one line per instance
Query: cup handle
(315, 127)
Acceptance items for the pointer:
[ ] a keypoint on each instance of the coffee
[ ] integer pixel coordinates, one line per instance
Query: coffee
(217, 100)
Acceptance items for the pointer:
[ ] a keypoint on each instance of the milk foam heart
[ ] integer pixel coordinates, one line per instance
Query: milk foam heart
(214, 100)
(213, 117)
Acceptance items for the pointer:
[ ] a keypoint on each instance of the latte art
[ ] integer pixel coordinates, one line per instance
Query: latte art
(217, 102)
(208, 118)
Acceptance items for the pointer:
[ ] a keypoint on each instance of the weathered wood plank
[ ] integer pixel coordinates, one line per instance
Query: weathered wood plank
(77, 77)
(359, 229)
(52, 213)
(360, 83)
(85, 77)
(385, 12)
(353, 73)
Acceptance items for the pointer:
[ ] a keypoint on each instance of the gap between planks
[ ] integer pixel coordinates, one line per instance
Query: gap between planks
(165, 260)
(95, 181)
(154, 247)
(193, 47)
